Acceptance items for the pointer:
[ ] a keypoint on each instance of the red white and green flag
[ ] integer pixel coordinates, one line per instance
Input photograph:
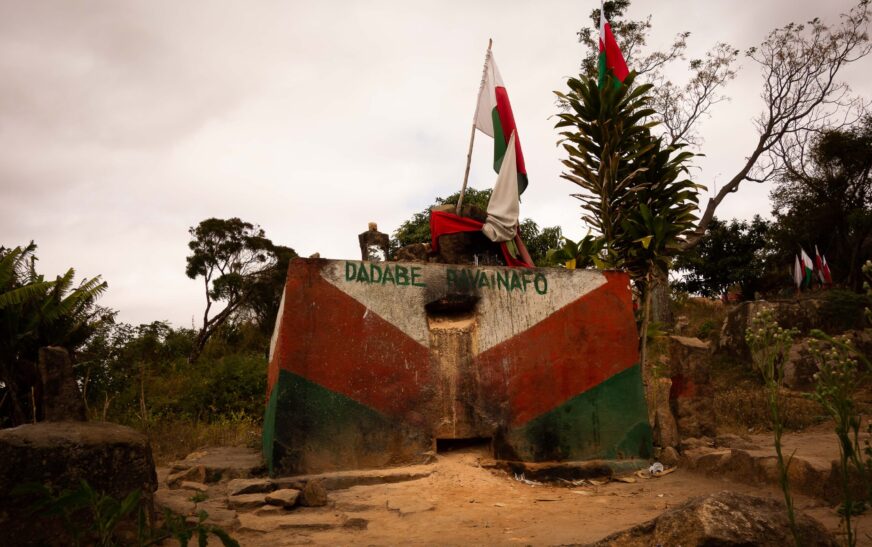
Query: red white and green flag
(807, 267)
(798, 273)
(494, 118)
(610, 57)
(822, 267)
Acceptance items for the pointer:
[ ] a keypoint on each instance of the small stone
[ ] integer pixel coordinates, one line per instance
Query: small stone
(669, 456)
(191, 485)
(314, 494)
(196, 473)
(286, 497)
(237, 487)
(246, 501)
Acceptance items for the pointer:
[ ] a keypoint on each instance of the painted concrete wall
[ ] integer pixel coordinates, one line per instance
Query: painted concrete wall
(361, 374)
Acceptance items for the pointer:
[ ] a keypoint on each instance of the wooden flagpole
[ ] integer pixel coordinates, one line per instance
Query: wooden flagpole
(472, 133)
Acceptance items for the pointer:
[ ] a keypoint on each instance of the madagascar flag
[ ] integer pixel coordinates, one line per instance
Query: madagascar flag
(496, 120)
(610, 56)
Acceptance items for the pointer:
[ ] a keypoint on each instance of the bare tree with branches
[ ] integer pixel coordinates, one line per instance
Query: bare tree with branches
(801, 94)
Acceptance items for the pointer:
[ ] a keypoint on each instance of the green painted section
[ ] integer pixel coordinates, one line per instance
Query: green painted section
(269, 425)
(609, 421)
(310, 429)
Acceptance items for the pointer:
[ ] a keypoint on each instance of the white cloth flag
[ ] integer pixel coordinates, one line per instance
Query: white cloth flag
(503, 208)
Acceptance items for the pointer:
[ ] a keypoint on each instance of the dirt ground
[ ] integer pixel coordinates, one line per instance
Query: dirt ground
(464, 503)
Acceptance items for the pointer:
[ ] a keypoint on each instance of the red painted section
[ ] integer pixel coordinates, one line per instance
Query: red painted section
(325, 338)
(573, 350)
(507, 121)
(614, 58)
(442, 223)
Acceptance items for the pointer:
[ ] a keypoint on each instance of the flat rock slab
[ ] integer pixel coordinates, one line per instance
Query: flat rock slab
(808, 476)
(195, 486)
(725, 519)
(246, 501)
(302, 520)
(285, 497)
(340, 480)
(177, 501)
(238, 487)
(224, 463)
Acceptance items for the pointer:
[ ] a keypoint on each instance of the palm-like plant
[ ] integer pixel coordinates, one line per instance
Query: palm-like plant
(35, 313)
(635, 190)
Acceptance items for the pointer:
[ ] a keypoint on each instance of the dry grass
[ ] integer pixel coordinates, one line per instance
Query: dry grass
(173, 439)
(739, 401)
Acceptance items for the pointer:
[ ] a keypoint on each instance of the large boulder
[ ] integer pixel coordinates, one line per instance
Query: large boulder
(724, 519)
(113, 459)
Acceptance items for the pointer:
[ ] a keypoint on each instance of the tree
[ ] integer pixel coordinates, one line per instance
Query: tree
(634, 191)
(732, 253)
(35, 313)
(801, 94)
(239, 266)
(823, 196)
(417, 228)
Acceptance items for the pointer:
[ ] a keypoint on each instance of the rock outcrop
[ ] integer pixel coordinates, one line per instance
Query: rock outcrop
(725, 519)
(112, 458)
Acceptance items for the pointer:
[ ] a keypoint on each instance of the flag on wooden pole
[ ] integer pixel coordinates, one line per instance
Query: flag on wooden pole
(494, 117)
(807, 266)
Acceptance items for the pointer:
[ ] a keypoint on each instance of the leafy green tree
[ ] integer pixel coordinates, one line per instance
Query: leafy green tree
(635, 194)
(823, 197)
(240, 267)
(732, 253)
(35, 313)
(417, 228)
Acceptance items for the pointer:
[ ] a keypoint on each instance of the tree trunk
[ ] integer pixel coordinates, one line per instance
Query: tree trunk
(661, 311)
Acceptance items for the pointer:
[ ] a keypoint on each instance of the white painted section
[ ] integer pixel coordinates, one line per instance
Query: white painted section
(500, 314)
(277, 328)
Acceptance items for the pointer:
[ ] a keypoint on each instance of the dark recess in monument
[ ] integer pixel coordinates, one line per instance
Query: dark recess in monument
(451, 305)
(452, 445)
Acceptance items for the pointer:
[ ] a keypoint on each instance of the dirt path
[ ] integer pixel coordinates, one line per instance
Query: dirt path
(462, 503)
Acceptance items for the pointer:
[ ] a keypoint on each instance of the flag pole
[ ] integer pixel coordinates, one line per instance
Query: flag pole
(472, 133)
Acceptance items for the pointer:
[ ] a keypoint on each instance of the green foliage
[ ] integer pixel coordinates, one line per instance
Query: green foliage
(769, 344)
(35, 313)
(240, 267)
(572, 255)
(824, 198)
(91, 517)
(839, 374)
(843, 310)
(734, 253)
(142, 374)
(633, 191)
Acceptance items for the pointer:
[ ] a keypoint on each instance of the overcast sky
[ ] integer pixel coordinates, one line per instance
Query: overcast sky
(124, 123)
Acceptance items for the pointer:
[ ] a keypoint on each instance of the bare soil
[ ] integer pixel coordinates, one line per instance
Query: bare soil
(464, 503)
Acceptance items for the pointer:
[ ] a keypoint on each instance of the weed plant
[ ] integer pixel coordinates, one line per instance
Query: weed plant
(769, 344)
